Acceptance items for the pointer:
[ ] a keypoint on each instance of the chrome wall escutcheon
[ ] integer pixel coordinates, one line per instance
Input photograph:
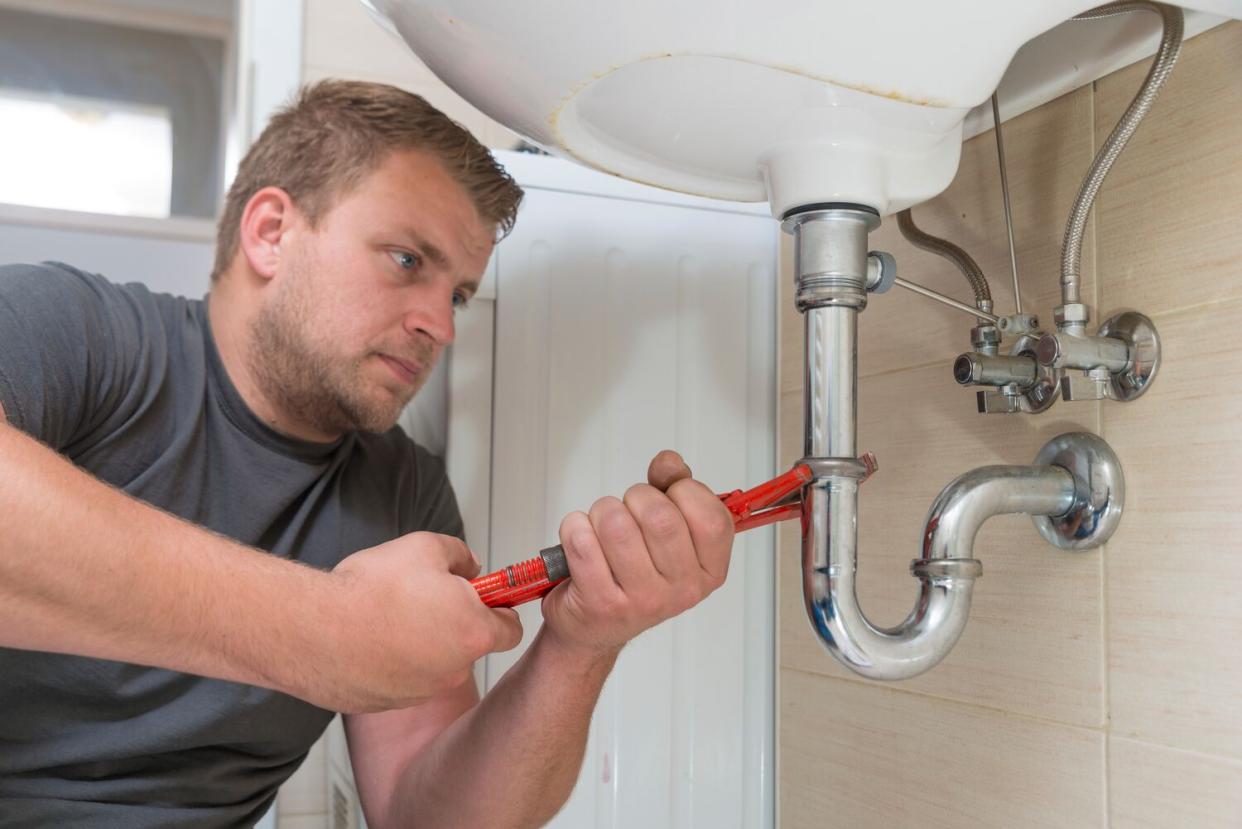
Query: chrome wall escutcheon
(1099, 491)
(1139, 333)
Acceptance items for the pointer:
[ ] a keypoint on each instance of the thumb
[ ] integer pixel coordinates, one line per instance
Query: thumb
(506, 628)
(666, 469)
(457, 557)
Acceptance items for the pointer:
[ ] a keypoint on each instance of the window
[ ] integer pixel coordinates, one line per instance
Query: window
(122, 113)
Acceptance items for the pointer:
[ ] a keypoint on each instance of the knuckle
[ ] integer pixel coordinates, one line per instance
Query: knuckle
(688, 597)
(662, 520)
(453, 679)
(476, 641)
(638, 491)
(572, 521)
(606, 505)
(615, 525)
(718, 522)
(649, 607)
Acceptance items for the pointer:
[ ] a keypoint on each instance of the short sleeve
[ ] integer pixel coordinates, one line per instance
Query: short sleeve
(435, 503)
(69, 346)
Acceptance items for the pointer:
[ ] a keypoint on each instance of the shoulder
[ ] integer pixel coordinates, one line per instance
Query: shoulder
(54, 279)
(70, 288)
(417, 477)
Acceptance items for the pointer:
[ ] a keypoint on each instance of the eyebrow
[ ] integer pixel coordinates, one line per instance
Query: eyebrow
(427, 249)
(437, 256)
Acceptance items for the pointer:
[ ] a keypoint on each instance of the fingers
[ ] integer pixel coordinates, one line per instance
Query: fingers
(506, 628)
(666, 469)
(624, 547)
(710, 526)
(456, 556)
(587, 563)
(664, 530)
(482, 629)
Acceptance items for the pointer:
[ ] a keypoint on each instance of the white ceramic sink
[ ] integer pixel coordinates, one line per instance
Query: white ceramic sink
(801, 102)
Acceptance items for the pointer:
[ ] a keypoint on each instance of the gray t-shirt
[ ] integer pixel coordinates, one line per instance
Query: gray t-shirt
(129, 386)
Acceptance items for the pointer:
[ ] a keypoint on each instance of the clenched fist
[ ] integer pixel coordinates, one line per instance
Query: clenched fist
(414, 625)
(639, 560)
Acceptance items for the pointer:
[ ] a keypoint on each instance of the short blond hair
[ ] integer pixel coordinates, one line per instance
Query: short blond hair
(335, 133)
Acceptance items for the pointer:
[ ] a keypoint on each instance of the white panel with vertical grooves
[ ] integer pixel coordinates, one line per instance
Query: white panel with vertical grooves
(622, 328)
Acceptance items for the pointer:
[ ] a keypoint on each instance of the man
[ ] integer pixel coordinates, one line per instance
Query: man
(156, 668)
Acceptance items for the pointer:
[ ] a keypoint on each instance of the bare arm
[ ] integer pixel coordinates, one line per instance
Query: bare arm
(511, 761)
(88, 570)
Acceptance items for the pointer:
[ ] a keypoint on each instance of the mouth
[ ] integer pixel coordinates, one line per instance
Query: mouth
(407, 372)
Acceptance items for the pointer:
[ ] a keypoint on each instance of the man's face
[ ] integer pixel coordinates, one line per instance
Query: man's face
(362, 305)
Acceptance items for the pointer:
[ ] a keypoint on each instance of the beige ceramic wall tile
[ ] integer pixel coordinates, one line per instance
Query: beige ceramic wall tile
(1174, 584)
(1168, 214)
(1157, 787)
(1034, 642)
(859, 757)
(1048, 150)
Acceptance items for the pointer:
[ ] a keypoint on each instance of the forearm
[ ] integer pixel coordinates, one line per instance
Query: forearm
(88, 570)
(512, 760)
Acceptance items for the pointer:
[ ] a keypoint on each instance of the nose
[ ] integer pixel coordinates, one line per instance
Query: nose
(432, 315)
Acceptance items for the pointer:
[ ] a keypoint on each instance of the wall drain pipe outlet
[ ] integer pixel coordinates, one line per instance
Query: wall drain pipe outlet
(1074, 490)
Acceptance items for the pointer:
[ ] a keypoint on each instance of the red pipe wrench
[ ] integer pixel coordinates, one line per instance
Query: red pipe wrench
(776, 500)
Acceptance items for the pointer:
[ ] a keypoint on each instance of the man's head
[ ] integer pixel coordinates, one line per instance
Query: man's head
(357, 223)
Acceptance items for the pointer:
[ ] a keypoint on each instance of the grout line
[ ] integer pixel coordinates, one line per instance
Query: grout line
(867, 683)
(1224, 758)
(915, 367)
(1184, 310)
(884, 373)
(1105, 668)
(1193, 752)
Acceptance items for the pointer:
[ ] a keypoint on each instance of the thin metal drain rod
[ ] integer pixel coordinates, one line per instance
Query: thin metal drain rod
(946, 300)
(1004, 177)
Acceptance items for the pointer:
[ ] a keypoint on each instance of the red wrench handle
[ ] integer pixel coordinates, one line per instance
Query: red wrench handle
(531, 579)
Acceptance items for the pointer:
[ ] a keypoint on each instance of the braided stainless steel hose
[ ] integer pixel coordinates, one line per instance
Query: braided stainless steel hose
(943, 247)
(1166, 56)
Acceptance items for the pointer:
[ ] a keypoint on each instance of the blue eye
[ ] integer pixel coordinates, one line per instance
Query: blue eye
(460, 300)
(404, 259)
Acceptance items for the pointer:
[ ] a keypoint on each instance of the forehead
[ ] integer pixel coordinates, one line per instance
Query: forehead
(412, 189)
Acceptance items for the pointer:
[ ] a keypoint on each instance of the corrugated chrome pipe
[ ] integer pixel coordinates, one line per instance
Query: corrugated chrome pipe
(831, 266)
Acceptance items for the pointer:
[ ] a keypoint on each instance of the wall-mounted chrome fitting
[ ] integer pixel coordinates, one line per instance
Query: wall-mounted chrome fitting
(1118, 363)
(1020, 383)
(1015, 325)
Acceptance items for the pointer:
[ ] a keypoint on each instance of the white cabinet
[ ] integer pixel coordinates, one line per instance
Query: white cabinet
(628, 320)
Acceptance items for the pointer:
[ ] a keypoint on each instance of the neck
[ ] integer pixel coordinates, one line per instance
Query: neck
(230, 317)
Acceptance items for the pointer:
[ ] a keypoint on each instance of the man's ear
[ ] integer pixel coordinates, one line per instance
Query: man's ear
(267, 217)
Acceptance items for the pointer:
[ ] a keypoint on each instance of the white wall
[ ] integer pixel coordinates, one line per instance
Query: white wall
(176, 266)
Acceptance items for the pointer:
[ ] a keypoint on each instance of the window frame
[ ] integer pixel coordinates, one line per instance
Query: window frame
(231, 125)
